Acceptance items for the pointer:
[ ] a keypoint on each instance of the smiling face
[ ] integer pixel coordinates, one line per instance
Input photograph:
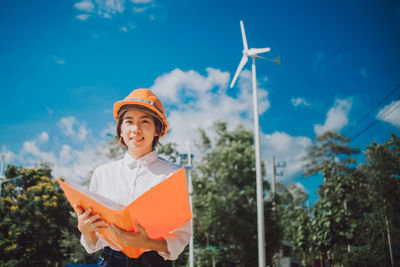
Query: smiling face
(138, 131)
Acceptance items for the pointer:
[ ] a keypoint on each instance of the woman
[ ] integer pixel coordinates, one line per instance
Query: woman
(141, 121)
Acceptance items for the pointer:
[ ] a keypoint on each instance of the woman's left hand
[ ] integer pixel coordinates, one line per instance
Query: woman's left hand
(140, 239)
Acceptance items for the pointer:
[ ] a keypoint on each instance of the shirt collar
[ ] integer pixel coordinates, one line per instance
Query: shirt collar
(142, 161)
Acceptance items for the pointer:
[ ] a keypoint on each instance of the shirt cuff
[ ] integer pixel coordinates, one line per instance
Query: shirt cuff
(90, 248)
(177, 241)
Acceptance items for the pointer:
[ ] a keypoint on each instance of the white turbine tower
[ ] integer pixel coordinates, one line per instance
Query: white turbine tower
(253, 52)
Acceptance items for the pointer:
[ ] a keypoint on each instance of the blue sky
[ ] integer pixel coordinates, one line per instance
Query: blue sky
(64, 63)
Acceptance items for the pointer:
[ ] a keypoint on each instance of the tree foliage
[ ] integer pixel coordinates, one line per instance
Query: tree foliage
(382, 173)
(332, 148)
(336, 212)
(358, 205)
(294, 219)
(35, 214)
(224, 201)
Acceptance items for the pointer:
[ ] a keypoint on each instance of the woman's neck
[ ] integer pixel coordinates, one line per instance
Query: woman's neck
(138, 154)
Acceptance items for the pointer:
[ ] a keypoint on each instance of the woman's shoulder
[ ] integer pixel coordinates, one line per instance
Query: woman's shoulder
(109, 166)
(168, 167)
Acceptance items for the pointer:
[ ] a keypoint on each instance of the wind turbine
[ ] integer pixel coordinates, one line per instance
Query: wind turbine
(253, 52)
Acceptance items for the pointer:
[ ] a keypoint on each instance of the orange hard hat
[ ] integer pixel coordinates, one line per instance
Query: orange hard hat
(144, 98)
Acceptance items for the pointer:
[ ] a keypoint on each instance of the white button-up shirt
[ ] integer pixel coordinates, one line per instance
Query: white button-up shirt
(124, 181)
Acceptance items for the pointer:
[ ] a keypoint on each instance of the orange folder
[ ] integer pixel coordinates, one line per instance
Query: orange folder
(160, 210)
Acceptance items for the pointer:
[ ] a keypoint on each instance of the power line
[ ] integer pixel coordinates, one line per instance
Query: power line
(296, 159)
(387, 112)
(373, 109)
(381, 117)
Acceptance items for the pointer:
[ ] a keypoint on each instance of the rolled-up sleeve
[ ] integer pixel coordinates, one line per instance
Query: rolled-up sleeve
(177, 240)
(90, 248)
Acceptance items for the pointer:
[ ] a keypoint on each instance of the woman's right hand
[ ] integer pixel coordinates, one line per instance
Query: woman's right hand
(89, 223)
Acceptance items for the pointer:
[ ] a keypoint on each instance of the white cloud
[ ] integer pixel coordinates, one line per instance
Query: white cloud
(32, 154)
(75, 164)
(85, 5)
(50, 111)
(83, 17)
(43, 137)
(68, 161)
(103, 8)
(67, 125)
(128, 27)
(143, 8)
(299, 101)
(82, 132)
(141, 1)
(107, 8)
(111, 129)
(72, 163)
(8, 155)
(284, 148)
(390, 113)
(301, 186)
(178, 84)
(110, 8)
(336, 118)
(246, 93)
(66, 153)
(58, 60)
(139, 9)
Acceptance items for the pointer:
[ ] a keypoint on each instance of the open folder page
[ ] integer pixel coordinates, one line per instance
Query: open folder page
(160, 210)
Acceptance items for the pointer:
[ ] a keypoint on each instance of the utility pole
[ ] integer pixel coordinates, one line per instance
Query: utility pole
(190, 191)
(2, 167)
(2, 176)
(274, 174)
(273, 183)
(389, 240)
(273, 191)
(345, 208)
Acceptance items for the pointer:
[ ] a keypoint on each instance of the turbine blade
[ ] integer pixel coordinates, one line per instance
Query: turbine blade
(259, 50)
(243, 36)
(239, 69)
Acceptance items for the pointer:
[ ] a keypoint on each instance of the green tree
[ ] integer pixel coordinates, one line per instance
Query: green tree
(224, 201)
(294, 219)
(337, 213)
(332, 148)
(34, 216)
(382, 173)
